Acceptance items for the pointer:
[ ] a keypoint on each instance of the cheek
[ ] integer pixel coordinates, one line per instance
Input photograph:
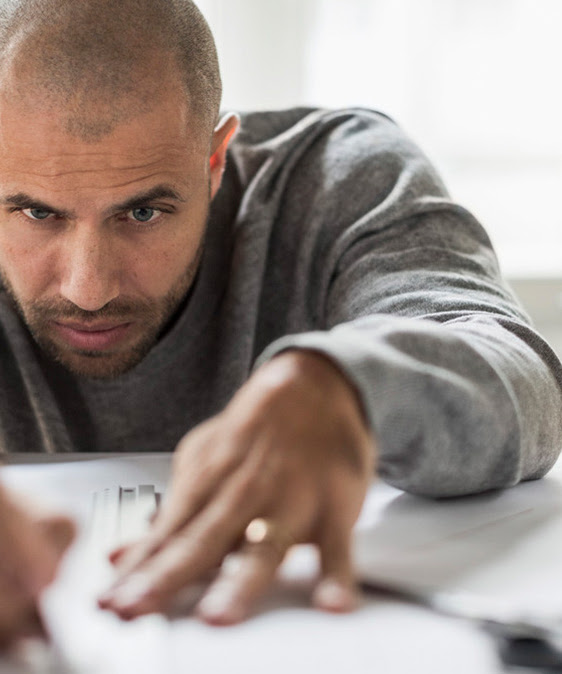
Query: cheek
(27, 265)
(160, 263)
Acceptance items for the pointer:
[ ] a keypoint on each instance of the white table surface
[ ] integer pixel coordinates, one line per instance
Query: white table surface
(506, 546)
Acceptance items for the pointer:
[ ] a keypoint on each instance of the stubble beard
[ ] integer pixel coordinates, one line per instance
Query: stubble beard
(154, 316)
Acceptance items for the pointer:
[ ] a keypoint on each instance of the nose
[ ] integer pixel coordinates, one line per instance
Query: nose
(90, 277)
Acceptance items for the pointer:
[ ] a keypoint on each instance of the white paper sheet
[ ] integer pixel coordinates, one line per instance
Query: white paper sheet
(506, 545)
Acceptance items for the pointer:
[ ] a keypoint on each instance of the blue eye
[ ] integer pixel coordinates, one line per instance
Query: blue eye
(37, 213)
(143, 214)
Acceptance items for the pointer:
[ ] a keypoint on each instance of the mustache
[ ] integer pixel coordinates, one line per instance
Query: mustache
(61, 308)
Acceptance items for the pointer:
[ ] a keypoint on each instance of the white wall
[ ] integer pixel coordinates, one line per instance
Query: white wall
(263, 50)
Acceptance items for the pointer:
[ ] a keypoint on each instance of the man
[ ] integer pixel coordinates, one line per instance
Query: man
(291, 317)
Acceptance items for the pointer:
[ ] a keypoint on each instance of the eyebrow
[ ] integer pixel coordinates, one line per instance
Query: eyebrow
(22, 200)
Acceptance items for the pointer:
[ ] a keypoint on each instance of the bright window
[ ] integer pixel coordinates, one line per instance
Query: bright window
(475, 82)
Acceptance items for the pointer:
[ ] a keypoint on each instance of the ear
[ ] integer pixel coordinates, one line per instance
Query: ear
(222, 135)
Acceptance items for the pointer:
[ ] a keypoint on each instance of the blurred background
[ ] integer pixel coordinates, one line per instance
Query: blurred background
(474, 82)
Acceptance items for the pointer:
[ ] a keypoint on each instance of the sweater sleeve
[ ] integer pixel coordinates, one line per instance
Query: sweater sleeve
(460, 391)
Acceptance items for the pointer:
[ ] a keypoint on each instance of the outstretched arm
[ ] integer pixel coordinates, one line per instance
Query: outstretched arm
(418, 360)
(460, 391)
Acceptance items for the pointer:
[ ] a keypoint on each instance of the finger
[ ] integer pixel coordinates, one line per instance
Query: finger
(56, 534)
(33, 557)
(116, 555)
(245, 577)
(16, 610)
(152, 587)
(24, 625)
(197, 547)
(190, 488)
(336, 589)
(188, 555)
(129, 557)
(60, 531)
(202, 461)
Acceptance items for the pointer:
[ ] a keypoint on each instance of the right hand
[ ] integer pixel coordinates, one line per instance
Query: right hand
(32, 543)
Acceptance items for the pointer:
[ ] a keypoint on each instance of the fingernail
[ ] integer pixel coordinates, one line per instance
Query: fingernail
(130, 591)
(107, 595)
(104, 600)
(334, 596)
(218, 606)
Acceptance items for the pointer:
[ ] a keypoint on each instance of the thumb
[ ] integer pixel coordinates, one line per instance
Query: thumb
(32, 541)
(60, 531)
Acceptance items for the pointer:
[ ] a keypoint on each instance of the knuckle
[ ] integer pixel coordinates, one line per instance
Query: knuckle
(222, 458)
(206, 451)
(194, 442)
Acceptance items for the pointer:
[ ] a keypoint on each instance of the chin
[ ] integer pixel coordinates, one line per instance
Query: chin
(96, 364)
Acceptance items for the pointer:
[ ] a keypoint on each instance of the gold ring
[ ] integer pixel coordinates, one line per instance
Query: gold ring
(262, 530)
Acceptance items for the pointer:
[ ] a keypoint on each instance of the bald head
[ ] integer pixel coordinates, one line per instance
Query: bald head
(105, 61)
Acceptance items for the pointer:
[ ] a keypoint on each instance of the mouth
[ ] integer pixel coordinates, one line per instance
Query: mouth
(92, 336)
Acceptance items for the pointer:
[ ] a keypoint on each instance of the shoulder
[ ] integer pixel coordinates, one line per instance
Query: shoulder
(331, 150)
(280, 126)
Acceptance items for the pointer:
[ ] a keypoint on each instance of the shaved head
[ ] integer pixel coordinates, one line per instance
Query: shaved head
(105, 60)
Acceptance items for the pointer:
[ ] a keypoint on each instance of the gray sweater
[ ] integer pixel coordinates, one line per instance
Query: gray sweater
(331, 232)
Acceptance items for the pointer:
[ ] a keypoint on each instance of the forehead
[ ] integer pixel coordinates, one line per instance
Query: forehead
(37, 148)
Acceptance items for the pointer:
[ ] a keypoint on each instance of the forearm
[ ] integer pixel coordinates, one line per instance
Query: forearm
(400, 286)
(456, 408)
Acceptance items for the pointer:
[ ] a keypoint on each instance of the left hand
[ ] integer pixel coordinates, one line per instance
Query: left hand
(293, 447)
(33, 541)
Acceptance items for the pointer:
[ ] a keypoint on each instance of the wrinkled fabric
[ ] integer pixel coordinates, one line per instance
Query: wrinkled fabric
(331, 232)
